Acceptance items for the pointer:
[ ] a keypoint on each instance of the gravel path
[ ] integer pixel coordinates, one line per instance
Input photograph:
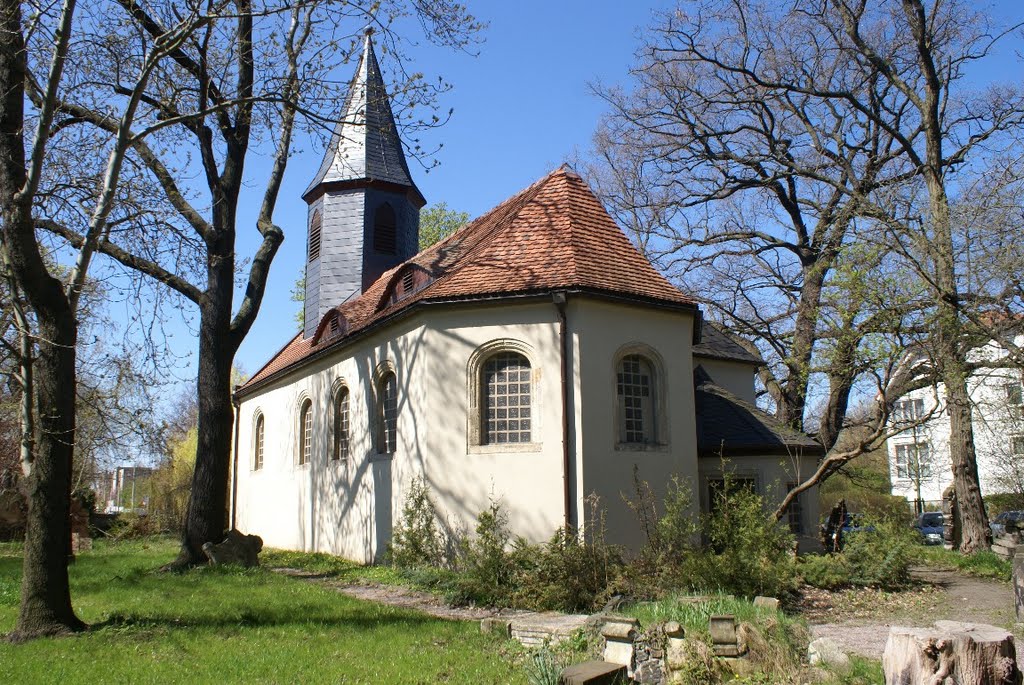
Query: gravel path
(957, 598)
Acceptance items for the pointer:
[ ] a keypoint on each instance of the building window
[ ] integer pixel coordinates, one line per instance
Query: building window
(795, 511)
(387, 413)
(913, 461)
(506, 394)
(634, 380)
(1014, 400)
(305, 431)
(257, 461)
(908, 411)
(339, 451)
(315, 226)
(385, 230)
(1017, 445)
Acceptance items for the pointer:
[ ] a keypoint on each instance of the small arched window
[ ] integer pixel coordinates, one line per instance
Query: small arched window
(305, 431)
(339, 451)
(257, 445)
(385, 230)
(505, 385)
(387, 413)
(634, 380)
(315, 228)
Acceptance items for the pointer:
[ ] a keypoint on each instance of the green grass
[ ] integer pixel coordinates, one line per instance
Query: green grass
(234, 625)
(981, 564)
(862, 671)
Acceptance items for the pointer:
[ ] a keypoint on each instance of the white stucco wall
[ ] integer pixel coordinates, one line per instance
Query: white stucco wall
(736, 377)
(995, 426)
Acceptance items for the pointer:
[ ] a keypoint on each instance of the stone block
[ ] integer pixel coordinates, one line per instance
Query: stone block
(1018, 584)
(594, 673)
(723, 629)
(618, 637)
(498, 626)
(237, 548)
(826, 651)
(674, 630)
(770, 603)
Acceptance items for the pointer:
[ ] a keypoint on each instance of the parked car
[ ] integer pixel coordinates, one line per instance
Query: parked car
(853, 523)
(998, 524)
(929, 525)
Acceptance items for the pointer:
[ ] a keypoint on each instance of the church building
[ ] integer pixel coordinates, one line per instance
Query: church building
(534, 357)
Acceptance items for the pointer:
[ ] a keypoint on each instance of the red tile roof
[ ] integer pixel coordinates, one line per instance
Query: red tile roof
(553, 235)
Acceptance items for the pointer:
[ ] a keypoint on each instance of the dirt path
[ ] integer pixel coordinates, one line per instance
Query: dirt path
(859, 621)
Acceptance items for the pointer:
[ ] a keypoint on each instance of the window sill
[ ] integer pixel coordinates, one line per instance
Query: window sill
(386, 456)
(641, 447)
(506, 448)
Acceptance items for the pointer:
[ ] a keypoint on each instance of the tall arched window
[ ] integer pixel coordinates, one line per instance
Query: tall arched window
(339, 451)
(505, 386)
(257, 444)
(387, 413)
(315, 226)
(305, 431)
(634, 380)
(385, 230)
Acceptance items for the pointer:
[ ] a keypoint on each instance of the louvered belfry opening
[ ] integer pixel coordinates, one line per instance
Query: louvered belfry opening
(315, 228)
(385, 230)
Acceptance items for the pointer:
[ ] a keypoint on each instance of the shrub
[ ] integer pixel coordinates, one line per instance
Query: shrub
(129, 526)
(881, 557)
(825, 571)
(749, 551)
(416, 542)
(487, 570)
(565, 573)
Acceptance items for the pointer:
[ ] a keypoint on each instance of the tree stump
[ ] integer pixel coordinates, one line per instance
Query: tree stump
(951, 653)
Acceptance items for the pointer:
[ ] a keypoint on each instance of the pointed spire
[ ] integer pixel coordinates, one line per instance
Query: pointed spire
(365, 145)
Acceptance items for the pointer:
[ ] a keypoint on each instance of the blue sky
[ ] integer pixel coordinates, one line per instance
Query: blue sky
(522, 107)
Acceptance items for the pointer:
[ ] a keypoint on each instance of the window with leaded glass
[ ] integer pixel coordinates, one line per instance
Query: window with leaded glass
(339, 452)
(795, 512)
(506, 394)
(257, 462)
(387, 414)
(634, 381)
(305, 431)
(913, 461)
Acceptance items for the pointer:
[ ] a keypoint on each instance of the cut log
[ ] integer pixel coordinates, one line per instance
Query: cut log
(951, 653)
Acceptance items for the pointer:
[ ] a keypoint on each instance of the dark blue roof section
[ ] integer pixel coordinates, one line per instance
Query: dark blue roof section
(717, 343)
(730, 426)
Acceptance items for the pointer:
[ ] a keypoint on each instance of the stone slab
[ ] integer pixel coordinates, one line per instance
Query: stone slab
(535, 629)
(594, 673)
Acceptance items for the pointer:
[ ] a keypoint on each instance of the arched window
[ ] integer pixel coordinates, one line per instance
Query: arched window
(257, 444)
(505, 386)
(385, 230)
(387, 413)
(339, 451)
(305, 431)
(315, 226)
(635, 387)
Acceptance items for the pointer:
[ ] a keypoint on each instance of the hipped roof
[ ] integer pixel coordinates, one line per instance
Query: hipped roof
(554, 235)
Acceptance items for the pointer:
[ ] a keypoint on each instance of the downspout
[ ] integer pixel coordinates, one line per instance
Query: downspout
(560, 298)
(234, 462)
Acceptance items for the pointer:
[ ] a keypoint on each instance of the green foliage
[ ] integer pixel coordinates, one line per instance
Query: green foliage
(235, 625)
(981, 564)
(132, 526)
(861, 671)
(878, 557)
(565, 573)
(437, 222)
(487, 570)
(416, 542)
(298, 294)
(169, 487)
(1003, 501)
(749, 553)
(543, 667)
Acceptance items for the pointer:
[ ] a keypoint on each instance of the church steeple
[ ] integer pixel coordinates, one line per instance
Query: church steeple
(363, 204)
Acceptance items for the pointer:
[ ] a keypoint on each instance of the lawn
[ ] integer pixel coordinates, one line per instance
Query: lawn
(214, 625)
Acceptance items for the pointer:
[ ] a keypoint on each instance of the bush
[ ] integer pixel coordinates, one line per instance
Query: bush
(487, 570)
(749, 551)
(129, 526)
(825, 571)
(879, 556)
(566, 574)
(416, 542)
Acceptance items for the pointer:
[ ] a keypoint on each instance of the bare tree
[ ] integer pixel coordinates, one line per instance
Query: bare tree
(784, 134)
(54, 297)
(247, 77)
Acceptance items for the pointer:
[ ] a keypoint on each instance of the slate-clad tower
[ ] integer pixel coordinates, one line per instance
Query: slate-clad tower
(364, 209)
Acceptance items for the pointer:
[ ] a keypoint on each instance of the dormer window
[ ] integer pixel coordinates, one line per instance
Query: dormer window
(315, 226)
(409, 280)
(385, 230)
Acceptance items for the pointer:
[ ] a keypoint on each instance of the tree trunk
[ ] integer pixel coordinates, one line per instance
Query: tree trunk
(975, 534)
(949, 654)
(45, 592)
(205, 519)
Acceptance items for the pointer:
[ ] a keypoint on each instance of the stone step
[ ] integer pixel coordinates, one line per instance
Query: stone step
(535, 629)
(594, 673)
